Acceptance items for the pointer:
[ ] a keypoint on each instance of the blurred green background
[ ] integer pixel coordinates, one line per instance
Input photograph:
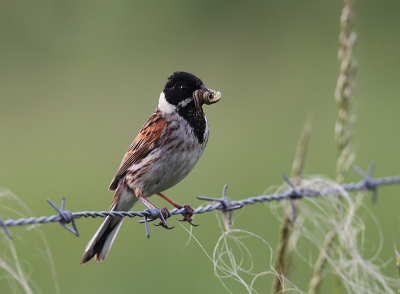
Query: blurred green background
(79, 78)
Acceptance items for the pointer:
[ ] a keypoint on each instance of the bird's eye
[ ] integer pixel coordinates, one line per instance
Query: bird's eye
(183, 88)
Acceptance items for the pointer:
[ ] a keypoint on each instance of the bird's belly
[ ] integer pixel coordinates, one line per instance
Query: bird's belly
(175, 168)
(164, 168)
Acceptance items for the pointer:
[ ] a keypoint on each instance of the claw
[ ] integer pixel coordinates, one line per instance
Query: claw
(165, 214)
(161, 224)
(189, 220)
(187, 215)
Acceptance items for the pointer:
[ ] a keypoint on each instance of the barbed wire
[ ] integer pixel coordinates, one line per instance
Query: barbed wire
(223, 204)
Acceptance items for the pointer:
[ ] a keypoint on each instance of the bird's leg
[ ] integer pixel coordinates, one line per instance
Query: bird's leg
(175, 204)
(187, 217)
(165, 212)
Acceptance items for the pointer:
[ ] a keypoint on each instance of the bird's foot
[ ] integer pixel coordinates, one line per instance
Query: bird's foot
(187, 217)
(166, 214)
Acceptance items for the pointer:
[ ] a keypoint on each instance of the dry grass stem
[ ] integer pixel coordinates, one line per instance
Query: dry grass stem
(315, 282)
(397, 254)
(15, 269)
(301, 152)
(338, 234)
(284, 251)
(344, 92)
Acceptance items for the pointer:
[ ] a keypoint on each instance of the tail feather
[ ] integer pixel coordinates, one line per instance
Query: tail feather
(100, 244)
(103, 239)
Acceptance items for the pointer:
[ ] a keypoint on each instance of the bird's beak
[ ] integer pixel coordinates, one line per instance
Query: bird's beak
(206, 96)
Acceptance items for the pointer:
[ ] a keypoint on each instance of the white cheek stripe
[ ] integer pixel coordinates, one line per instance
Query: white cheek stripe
(185, 102)
(164, 106)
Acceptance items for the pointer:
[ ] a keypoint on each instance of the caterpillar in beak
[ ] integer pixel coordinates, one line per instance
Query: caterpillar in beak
(207, 96)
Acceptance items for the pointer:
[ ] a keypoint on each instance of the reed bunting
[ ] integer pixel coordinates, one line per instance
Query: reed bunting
(164, 152)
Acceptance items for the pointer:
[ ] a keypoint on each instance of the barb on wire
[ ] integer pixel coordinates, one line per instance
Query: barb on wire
(65, 217)
(155, 213)
(295, 195)
(7, 232)
(226, 204)
(223, 204)
(368, 179)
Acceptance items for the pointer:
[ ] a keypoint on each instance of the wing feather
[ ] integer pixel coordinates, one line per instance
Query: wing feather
(144, 143)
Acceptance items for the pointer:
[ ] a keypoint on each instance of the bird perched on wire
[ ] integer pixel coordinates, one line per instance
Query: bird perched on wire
(164, 152)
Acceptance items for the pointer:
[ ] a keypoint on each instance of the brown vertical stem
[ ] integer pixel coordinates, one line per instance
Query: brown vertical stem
(284, 252)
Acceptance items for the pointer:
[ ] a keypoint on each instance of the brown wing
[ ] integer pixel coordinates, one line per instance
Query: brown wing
(145, 141)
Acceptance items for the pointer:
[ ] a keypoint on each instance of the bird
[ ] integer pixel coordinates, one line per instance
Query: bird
(166, 149)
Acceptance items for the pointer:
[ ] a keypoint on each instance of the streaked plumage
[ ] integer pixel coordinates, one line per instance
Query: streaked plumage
(164, 152)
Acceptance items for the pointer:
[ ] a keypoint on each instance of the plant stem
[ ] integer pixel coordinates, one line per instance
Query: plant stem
(344, 92)
(316, 280)
(344, 128)
(284, 252)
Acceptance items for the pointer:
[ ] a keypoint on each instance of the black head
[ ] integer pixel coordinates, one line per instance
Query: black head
(180, 86)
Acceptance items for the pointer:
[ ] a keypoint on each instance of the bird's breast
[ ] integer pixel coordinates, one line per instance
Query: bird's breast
(178, 151)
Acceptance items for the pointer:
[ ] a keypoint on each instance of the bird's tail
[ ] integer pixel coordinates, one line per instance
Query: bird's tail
(102, 241)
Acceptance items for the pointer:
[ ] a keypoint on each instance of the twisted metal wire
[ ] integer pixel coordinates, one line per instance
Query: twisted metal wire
(223, 204)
